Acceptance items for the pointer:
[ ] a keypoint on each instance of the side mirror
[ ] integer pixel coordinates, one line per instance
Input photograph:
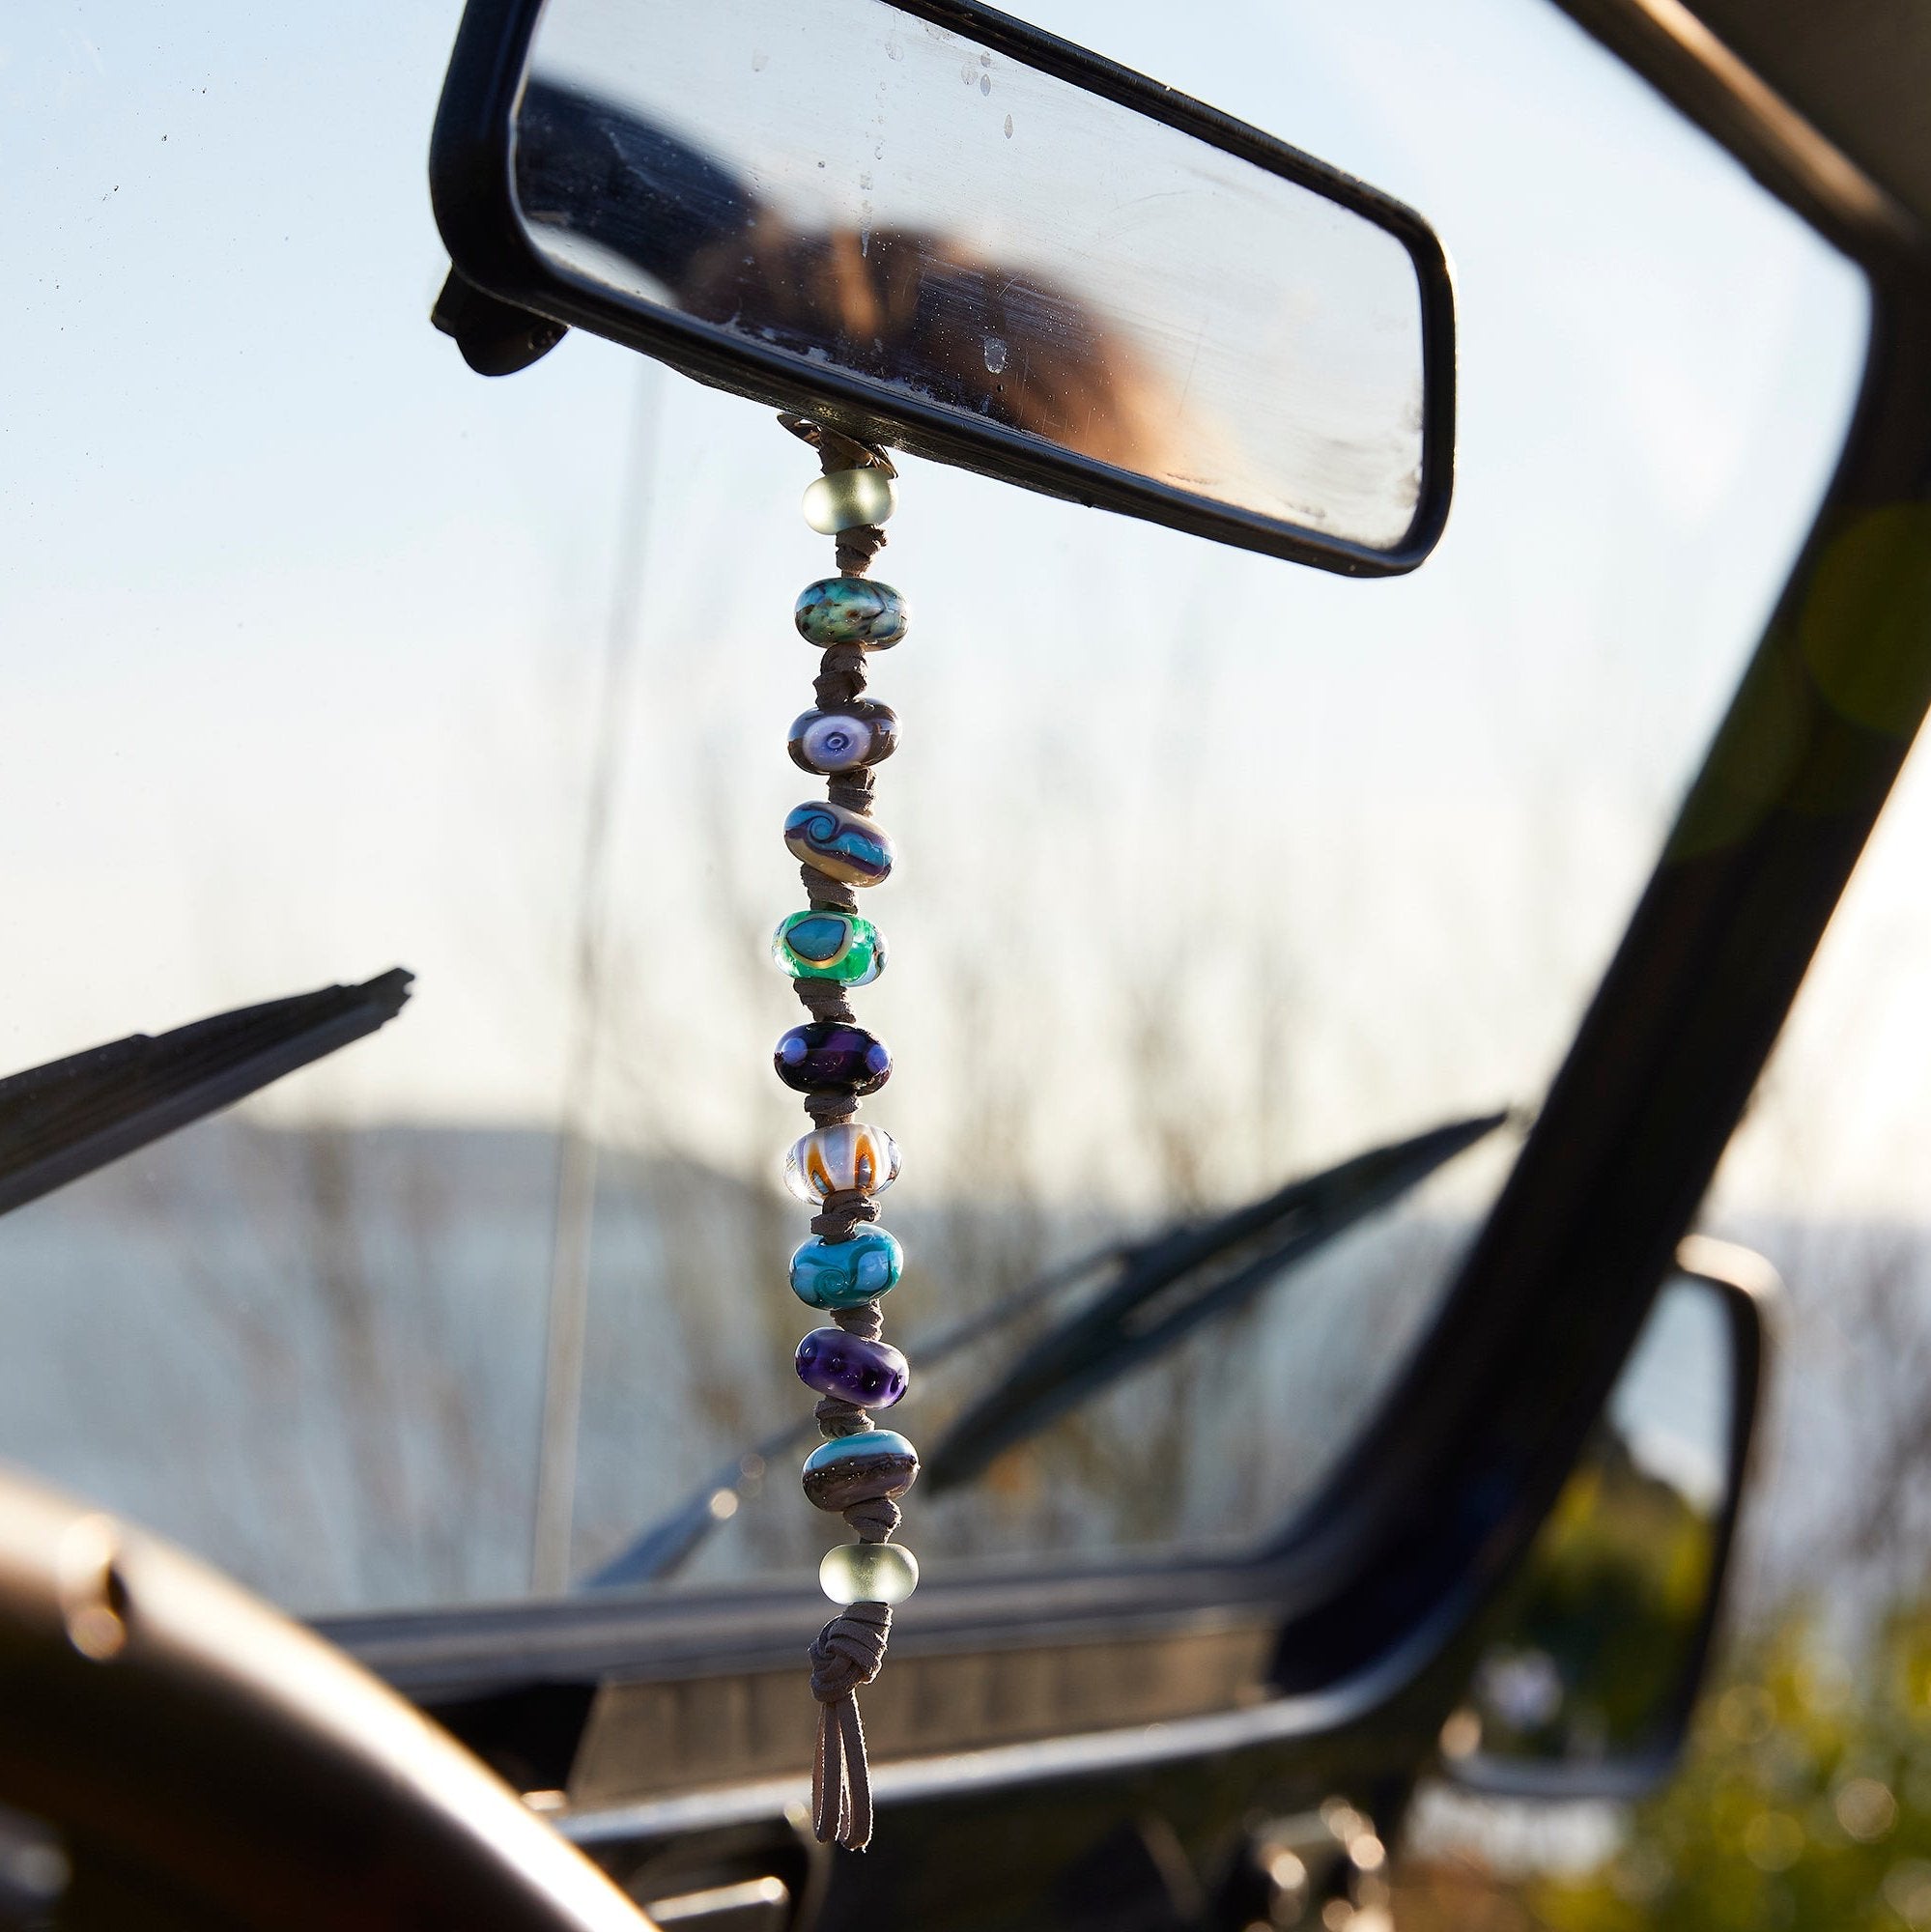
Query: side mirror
(1587, 1687)
(931, 225)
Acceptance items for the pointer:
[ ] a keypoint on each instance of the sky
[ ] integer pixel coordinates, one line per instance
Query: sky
(302, 627)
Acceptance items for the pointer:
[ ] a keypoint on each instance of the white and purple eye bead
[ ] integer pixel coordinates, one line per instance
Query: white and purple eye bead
(870, 1375)
(863, 732)
(860, 1468)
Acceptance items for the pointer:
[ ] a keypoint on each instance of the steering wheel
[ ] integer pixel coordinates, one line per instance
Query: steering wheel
(200, 1760)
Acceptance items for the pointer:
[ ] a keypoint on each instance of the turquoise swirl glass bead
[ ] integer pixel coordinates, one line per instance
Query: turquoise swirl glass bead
(842, 1274)
(851, 610)
(868, 1572)
(820, 943)
(851, 1156)
(860, 1468)
(845, 845)
(847, 500)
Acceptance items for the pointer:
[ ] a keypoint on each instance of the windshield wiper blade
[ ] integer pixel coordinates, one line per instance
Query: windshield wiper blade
(68, 1118)
(1144, 1267)
(1174, 1284)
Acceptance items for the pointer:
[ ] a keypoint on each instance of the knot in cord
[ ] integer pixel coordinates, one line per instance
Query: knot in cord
(847, 1653)
(844, 1657)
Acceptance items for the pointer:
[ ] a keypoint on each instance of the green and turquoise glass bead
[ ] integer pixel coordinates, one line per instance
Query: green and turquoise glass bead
(863, 732)
(842, 844)
(860, 1468)
(868, 1572)
(822, 944)
(844, 1274)
(851, 610)
(848, 500)
(852, 1157)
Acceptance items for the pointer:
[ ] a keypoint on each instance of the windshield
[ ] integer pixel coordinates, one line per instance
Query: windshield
(328, 657)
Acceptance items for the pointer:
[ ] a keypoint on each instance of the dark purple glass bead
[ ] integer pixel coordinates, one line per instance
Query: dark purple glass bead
(873, 1374)
(830, 1057)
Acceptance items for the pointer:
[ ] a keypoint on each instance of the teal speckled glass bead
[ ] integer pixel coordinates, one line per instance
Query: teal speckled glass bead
(860, 1468)
(820, 943)
(868, 1572)
(847, 500)
(842, 1274)
(851, 610)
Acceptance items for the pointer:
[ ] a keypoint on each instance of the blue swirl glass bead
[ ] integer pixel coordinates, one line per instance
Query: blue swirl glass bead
(863, 732)
(832, 1057)
(860, 1468)
(851, 1156)
(842, 1274)
(868, 1572)
(851, 610)
(821, 944)
(846, 500)
(873, 1374)
(842, 844)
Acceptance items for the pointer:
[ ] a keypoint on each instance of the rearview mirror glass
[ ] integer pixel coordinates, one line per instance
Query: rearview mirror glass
(979, 242)
(1586, 1686)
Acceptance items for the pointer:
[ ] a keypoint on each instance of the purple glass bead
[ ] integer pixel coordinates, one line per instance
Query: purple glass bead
(830, 1057)
(873, 1374)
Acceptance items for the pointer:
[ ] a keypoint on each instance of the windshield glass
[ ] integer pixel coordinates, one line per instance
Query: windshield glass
(328, 656)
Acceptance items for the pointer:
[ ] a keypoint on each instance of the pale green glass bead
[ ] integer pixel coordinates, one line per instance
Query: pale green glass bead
(868, 1572)
(848, 498)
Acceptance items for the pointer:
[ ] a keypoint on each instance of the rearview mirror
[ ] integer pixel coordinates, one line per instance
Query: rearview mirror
(1586, 1688)
(935, 227)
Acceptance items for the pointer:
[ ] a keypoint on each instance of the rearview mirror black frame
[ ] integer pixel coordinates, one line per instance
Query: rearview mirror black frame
(470, 172)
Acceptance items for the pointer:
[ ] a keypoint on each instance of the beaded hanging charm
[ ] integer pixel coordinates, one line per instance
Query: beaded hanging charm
(842, 1165)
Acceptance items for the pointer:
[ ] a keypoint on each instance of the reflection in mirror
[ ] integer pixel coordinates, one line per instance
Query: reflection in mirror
(1601, 1643)
(867, 191)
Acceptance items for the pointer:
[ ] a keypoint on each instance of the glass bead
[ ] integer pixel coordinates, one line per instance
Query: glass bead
(847, 500)
(863, 732)
(868, 1572)
(851, 610)
(821, 944)
(860, 1468)
(842, 844)
(873, 1374)
(850, 1157)
(842, 1274)
(832, 1057)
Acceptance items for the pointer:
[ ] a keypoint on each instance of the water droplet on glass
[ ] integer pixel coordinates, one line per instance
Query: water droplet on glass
(995, 354)
(758, 61)
(986, 84)
(1008, 127)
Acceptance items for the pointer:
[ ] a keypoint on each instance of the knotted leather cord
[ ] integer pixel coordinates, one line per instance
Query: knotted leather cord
(848, 1652)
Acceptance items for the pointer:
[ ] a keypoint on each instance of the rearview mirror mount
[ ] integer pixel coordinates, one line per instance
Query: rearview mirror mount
(933, 226)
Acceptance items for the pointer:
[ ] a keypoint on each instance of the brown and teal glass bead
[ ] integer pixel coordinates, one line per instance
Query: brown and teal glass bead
(860, 1468)
(863, 732)
(851, 610)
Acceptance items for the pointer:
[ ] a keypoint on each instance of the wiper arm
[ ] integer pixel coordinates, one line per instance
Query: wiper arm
(1262, 1239)
(70, 1116)
(1174, 1283)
